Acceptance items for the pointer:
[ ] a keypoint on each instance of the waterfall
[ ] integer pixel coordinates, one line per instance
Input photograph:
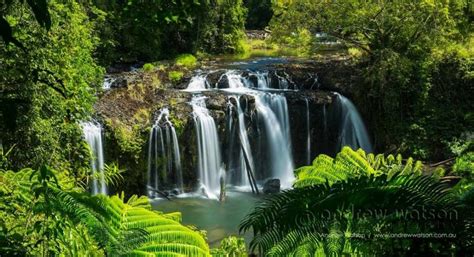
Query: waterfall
(282, 82)
(269, 134)
(93, 135)
(198, 83)
(107, 83)
(273, 110)
(164, 158)
(235, 80)
(353, 131)
(263, 80)
(276, 126)
(209, 154)
(280, 107)
(308, 134)
(245, 146)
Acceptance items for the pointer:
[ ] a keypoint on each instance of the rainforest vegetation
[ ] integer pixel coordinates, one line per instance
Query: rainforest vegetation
(409, 68)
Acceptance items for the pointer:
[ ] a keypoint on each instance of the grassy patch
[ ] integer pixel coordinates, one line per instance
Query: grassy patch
(175, 76)
(147, 67)
(186, 60)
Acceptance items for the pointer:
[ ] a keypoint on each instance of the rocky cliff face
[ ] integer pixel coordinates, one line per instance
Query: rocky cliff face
(129, 108)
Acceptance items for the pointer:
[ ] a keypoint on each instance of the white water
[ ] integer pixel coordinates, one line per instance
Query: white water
(263, 80)
(278, 142)
(271, 107)
(308, 134)
(272, 110)
(163, 155)
(353, 131)
(93, 135)
(235, 80)
(108, 81)
(209, 154)
(245, 146)
(198, 83)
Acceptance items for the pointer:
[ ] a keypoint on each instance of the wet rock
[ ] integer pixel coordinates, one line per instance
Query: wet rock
(118, 82)
(175, 192)
(216, 101)
(271, 186)
(257, 34)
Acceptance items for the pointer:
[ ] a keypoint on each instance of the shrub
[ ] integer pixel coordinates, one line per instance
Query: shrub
(464, 165)
(175, 76)
(242, 47)
(186, 60)
(231, 246)
(147, 67)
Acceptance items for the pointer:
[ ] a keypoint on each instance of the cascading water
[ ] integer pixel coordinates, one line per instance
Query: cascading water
(107, 84)
(268, 138)
(164, 160)
(235, 80)
(353, 131)
(278, 141)
(209, 154)
(263, 80)
(93, 135)
(308, 133)
(245, 151)
(273, 110)
(198, 83)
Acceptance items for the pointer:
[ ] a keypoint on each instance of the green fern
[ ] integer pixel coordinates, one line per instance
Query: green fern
(119, 228)
(349, 163)
(287, 223)
(165, 235)
(283, 223)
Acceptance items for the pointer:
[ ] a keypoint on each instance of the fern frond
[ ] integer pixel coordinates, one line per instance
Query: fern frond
(349, 163)
(285, 219)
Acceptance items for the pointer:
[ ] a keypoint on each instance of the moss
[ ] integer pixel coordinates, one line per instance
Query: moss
(175, 76)
(155, 81)
(186, 60)
(128, 138)
(148, 67)
(142, 117)
(178, 124)
(137, 91)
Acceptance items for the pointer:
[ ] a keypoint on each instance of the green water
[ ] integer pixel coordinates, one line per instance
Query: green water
(219, 219)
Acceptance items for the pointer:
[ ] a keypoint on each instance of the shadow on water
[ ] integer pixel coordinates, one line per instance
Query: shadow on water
(219, 219)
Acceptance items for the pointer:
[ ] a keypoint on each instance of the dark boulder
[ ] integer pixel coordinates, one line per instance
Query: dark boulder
(271, 186)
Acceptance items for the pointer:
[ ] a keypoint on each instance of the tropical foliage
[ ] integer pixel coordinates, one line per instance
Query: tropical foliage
(415, 62)
(349, 163)
(151, 30)
(42, 214)
(416, 57)
(356, 205)
(48, 86)
(231, 247)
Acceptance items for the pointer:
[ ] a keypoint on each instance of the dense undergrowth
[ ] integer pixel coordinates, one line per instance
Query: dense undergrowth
(416, 63)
